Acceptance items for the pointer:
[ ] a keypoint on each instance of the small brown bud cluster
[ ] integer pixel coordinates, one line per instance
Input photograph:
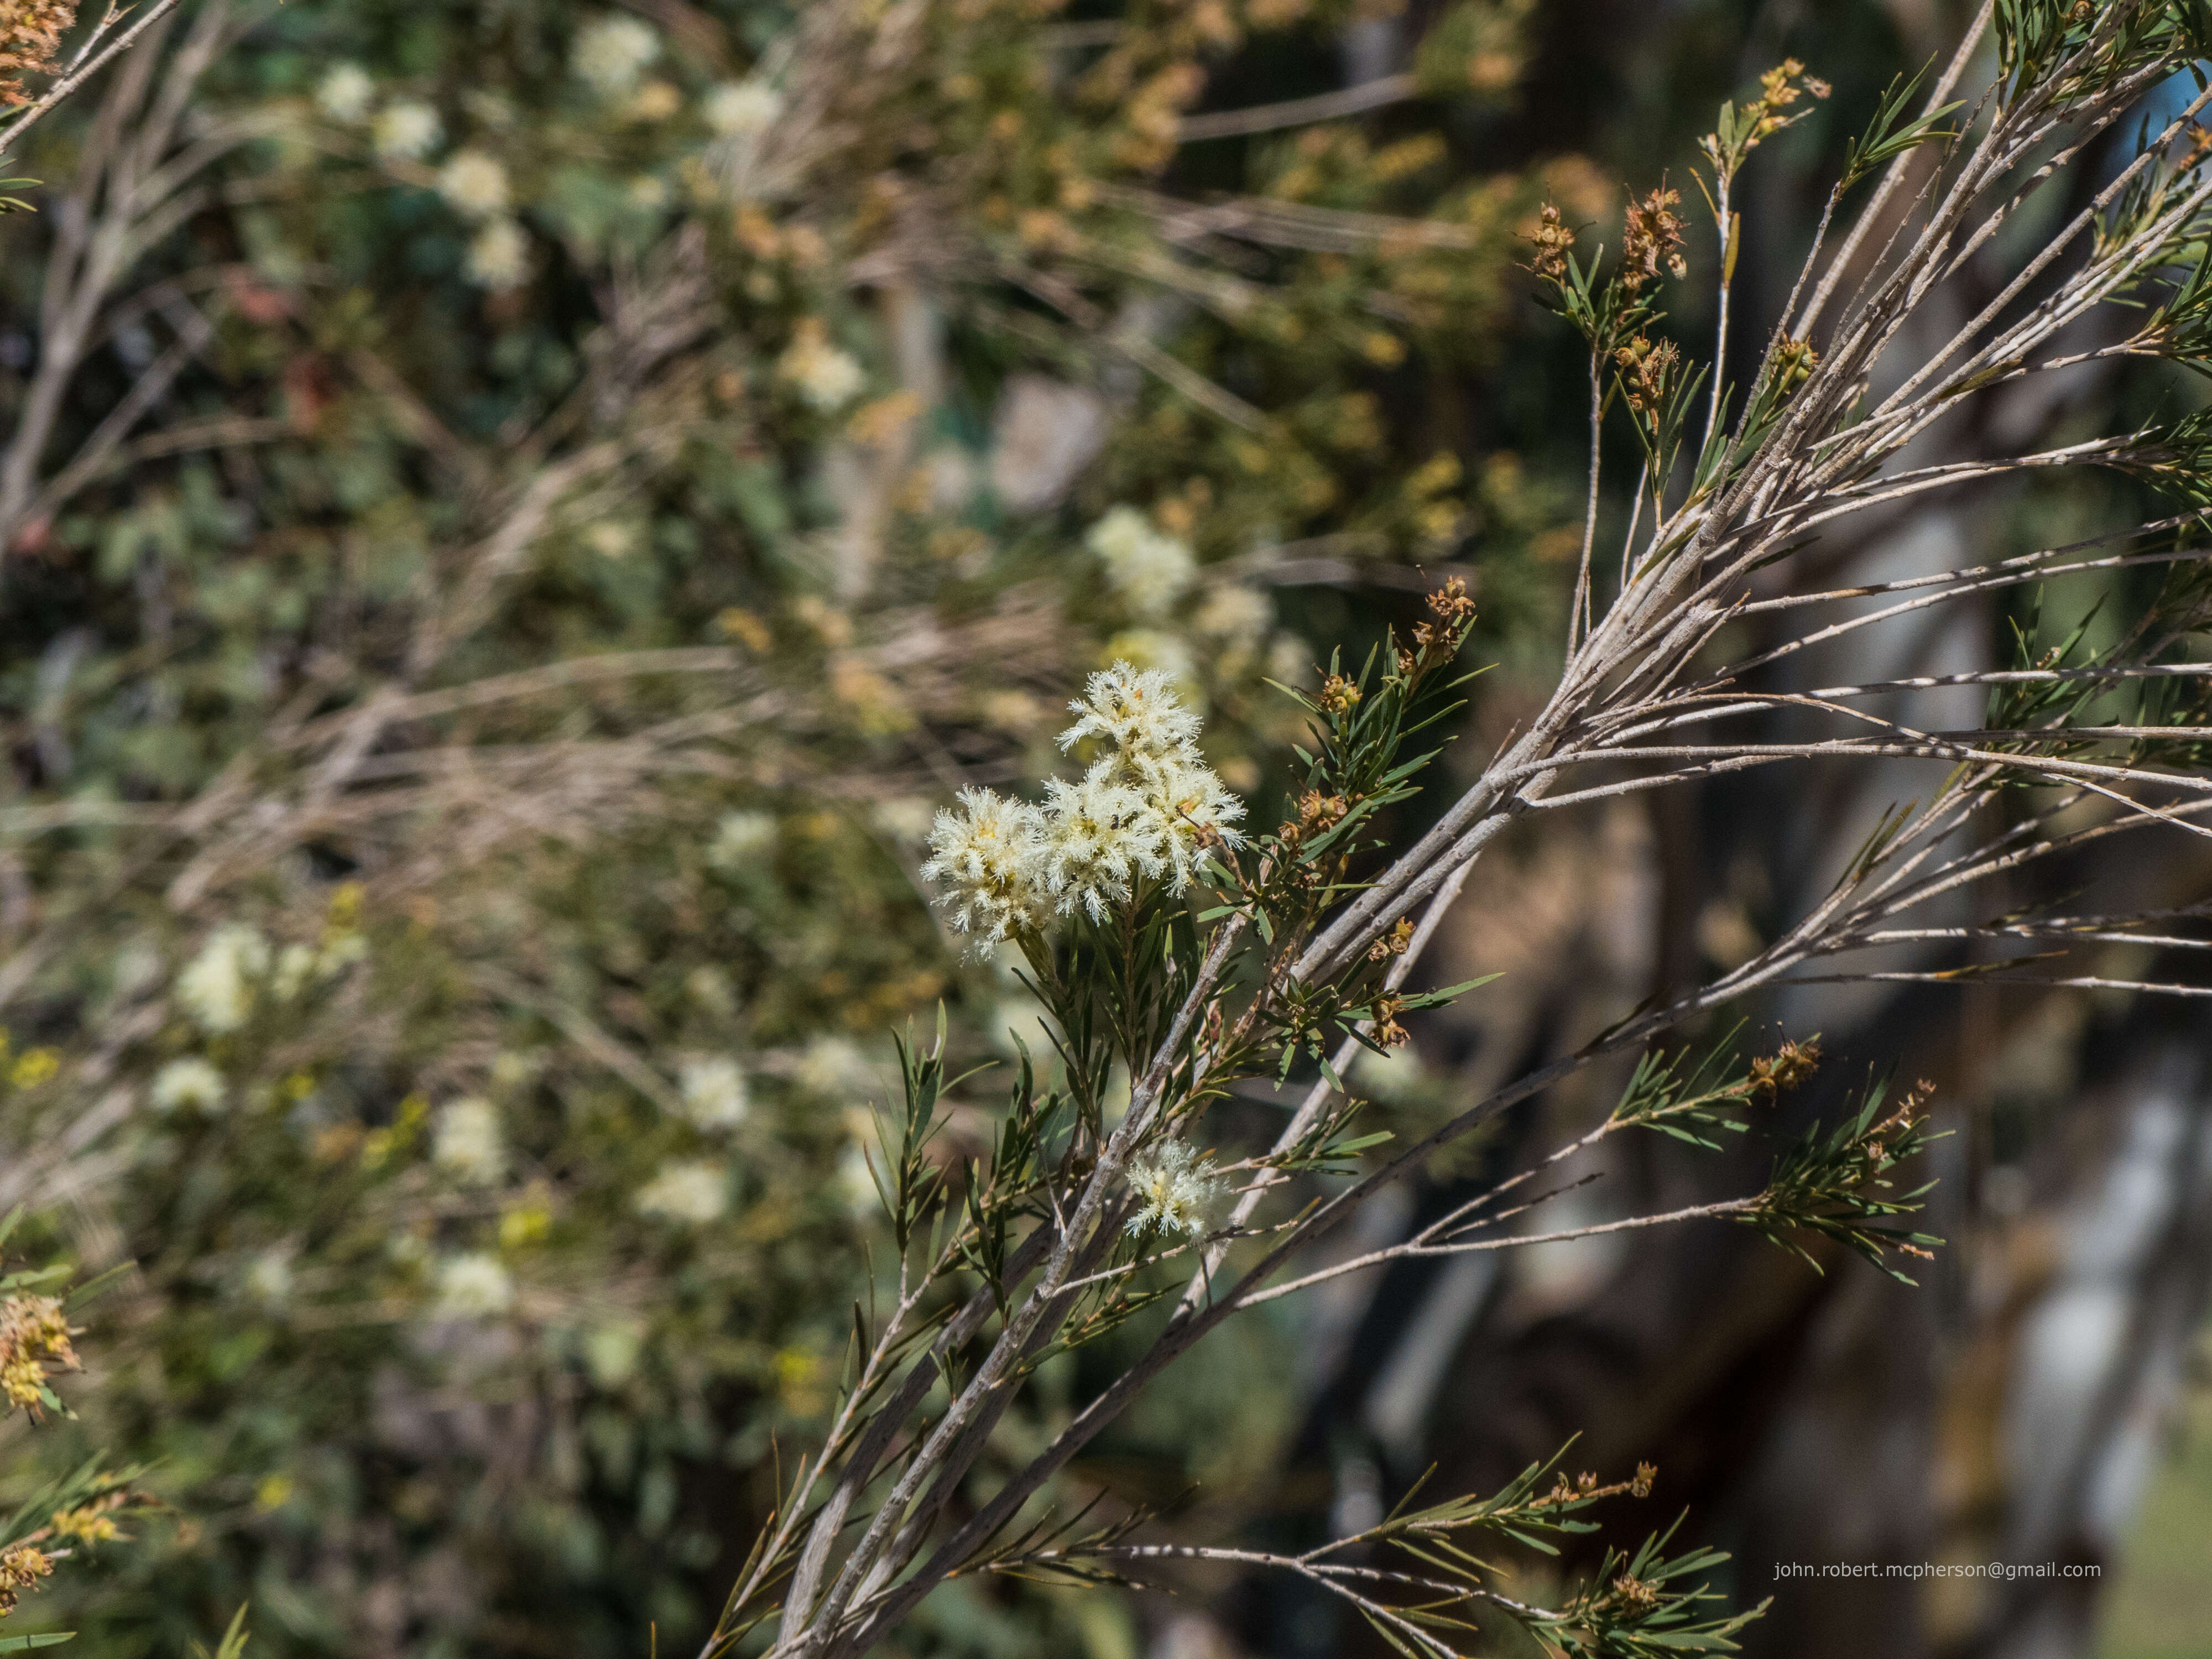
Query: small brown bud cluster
(1393, 943)
(1316, 813)
(1387, 1032)
(20, 1569)
(1790, 1065)
(1645, 370)
(1646, 1473)
(1651, 239)
(1779, 87)
(1552, 240)
(34, 1335)
(1338, 696)
(1634, 1591)
(1435, 642)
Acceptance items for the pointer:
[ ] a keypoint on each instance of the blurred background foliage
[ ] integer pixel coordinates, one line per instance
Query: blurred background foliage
(514, 515)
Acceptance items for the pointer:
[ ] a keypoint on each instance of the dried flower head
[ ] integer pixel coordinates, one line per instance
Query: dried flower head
(1552, 240)
(1652, 239)
(30, 33)
(21, 1567)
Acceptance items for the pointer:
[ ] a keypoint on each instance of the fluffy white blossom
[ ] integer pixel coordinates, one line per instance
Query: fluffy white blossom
(296, 965)
(1235, 613)
(1191, 805)
(499, 256)
(737, 109)
(834, 1066)
(1147, 569)
(474, 183)
(990, 853)
(713, 1092)
(1099, 835)
(612, 53)
(344, 94)
(742, 840)
(473, 1286)
(190, 1084)
(216, 988)
(1175, 1190)
(406, 131)
(693, 1191)
(468, 1144)
(268, 1279)
(856, 1180)
(1135, 710)
(1148, 810)
(824, 377)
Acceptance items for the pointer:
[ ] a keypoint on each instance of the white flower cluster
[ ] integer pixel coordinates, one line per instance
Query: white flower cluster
(498, 257)
(474, 183)
(219, 986)
(472, 1286)
(1146, 567)
(216, 988)
(824, 377)
(691, 1192)
(469, 1144)
(713, 1092)
(406, 131)
(1145, 811)
(1177, 1190)
(613, 52)
(187, 1085)
(739, 109)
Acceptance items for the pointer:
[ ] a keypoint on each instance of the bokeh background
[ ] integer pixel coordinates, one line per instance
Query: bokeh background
(515, 513)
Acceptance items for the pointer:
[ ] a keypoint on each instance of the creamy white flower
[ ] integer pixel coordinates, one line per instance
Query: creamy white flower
(468, 1144)
(499, 256)
(742, 840)
(216, 988)
(1136, 711)
(612, 53)
(713, 1092)
(693, 1191)
(1192, 807)
(834, 1066)
(343, 94)
(1235, 613)
(406, 131)
(904, 818)
(1098, 837)
(611, 1354)
(856, 1181)
(1148, 569)
(296, 965)
(473, 1286)
(826, 378)
(737, 109)
(1176, 1190)
(990, 855)
(269, 1279)
(187, 1084)
(474, 183)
